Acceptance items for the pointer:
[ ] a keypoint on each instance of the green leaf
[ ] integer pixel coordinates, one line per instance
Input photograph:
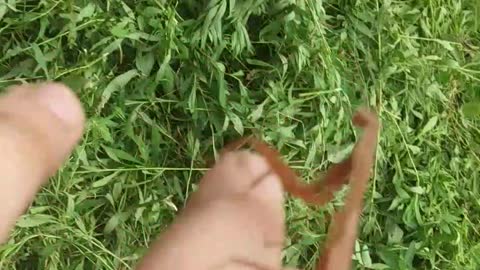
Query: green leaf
(362, 27)
(117, 191)
(80, 265)
(115, 85)
(410, 255)
(446, 45)
(338, 156)
(165, 74)
(259, 63)
(105, 180)
(29, 221)
(70, 209)
(75, 82)
(432, 122)
(192, 98)
(112, 46)
(415, 149)
(366, 259)
(3, 8)
(452, 64)
(231, 6)
(222, 90)
(144, 63)
(418, 190)
(40, 58)
(257, 113)
(292, 72)
(379, 266)
(471, 109)
(121, 29)
(118, 155)
(115, 221)
(409, 216)
(128, 10)
(395, 235)
(237, 123)
(86, 12)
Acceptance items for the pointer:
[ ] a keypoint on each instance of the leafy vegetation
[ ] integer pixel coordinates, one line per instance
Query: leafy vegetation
(166, 83)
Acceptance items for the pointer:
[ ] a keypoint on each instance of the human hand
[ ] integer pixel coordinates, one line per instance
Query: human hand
(234, 221)
(39, 126)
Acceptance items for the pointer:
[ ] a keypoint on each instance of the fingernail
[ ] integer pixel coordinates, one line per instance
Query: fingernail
(269, 189)
(61, 102)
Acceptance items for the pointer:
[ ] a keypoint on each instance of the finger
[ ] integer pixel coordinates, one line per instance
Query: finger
(244, 173)
(235, 218)
(39, 126)
(235, 173)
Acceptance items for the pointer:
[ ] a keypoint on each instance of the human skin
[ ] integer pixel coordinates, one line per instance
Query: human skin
(234, 221)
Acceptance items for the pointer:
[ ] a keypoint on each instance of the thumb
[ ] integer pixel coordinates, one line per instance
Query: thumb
(39, 126)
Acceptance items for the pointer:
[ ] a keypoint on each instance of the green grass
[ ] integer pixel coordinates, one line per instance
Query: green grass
(166, 83)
